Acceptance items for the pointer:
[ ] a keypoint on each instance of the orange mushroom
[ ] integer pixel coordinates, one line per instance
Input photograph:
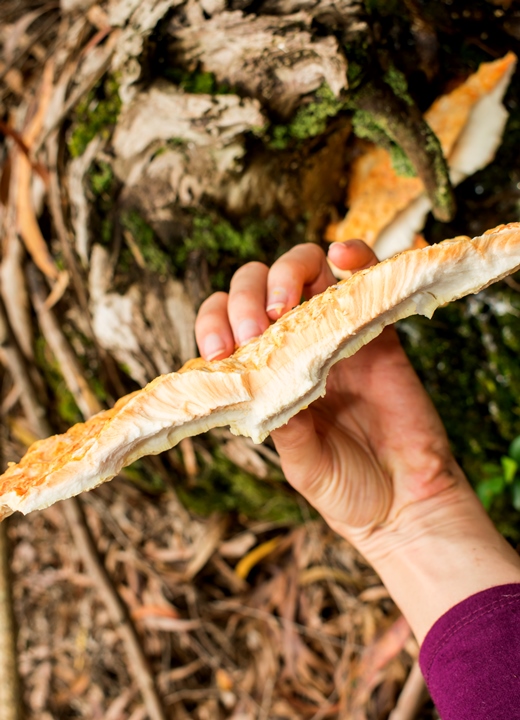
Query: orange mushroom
(387, 210)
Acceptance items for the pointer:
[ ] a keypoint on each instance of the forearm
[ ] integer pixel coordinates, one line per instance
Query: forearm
(435, 555)
(448, 566)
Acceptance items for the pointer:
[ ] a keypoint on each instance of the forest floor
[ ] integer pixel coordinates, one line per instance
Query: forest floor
(235, 600)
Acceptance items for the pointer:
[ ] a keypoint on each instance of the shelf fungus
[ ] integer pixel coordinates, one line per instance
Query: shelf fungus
(265, 382)
(388, 211)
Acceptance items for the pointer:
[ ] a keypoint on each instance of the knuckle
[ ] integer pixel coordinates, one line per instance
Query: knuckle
(253, 267)
(242, 297)
(311, 250)
(218, 299)
(213, 306)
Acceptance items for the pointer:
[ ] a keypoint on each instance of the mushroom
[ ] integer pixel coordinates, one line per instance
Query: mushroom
(387, 210)
(265, 382)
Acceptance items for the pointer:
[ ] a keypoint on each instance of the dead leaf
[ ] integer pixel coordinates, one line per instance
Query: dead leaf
(238, 545)
(373, 660)
(26, 221)
(318, 573)
(212, 533)
(245, 457)
(247, 563)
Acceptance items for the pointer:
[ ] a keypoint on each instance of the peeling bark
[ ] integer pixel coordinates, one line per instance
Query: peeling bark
(275, 59)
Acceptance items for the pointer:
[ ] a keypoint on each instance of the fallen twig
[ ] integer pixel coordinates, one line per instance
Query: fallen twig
(70, 368)
(83, 89)
(138, 663)
(10, 695)
(12, 359)
(11, 707)
(374, 658)
(61, 229)
(18, 139)
(24, 49)
(26, 219)
(78, 386)
(412, 697)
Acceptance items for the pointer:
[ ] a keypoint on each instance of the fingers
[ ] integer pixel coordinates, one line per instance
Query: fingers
(258, 295)
(300, 449)
(212, 329)
(352, 255)
(301, 271)
(225, 321)
(246, 306)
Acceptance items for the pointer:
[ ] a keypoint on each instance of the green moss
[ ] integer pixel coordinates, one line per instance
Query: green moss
(64, 402)
(140, 475)
(367, 127)
(101, 178)
(309, 121)
(222, 235)
(397, 81)
(96, 114)
(467, 357)
(156, 259)
(355, 73)
(176, 142)
(107, 231)
(401, 162)
(223, 487)
(198, 82)
(225, 245)
(98, 389)
(103, 187)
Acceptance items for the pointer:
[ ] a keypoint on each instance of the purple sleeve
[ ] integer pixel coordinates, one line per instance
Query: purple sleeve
(470, 659)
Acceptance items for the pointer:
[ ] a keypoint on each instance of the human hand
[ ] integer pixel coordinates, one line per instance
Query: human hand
(371, 456)
(375, 424)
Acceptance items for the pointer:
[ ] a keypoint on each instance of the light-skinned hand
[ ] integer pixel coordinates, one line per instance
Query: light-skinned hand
(371, 456)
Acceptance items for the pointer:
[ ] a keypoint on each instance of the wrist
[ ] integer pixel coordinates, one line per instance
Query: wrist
(436, 553)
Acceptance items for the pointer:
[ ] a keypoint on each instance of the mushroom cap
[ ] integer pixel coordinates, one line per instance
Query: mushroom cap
(386, 210)
(266, 382)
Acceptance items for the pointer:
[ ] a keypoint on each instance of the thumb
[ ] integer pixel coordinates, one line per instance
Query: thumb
(335, 473)
(300, 450)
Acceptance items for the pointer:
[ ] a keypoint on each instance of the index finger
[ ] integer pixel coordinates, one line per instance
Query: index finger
(303, 270)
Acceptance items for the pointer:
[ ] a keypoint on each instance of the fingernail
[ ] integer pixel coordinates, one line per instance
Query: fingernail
(277, 300)
(214, 346)
(246, 330)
